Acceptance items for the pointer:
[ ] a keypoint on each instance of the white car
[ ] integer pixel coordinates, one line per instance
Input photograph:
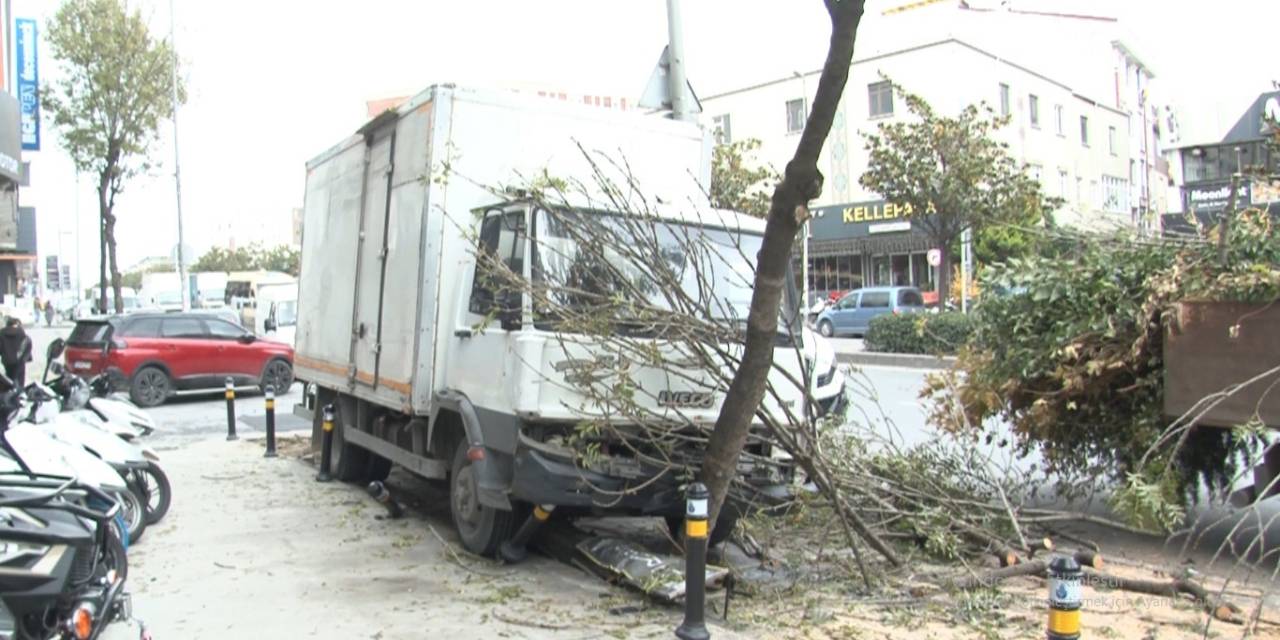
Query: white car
(827, 387)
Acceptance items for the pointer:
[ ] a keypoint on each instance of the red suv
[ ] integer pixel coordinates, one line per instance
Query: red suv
(157, 355)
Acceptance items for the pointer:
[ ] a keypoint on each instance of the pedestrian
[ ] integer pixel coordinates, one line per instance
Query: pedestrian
(48, 313)
(15, 352)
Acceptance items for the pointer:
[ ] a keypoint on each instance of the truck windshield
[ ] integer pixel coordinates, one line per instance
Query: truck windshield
(588, 259)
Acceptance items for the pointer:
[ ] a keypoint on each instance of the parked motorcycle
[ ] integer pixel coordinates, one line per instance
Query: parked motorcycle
(106, 427)
(64, 564)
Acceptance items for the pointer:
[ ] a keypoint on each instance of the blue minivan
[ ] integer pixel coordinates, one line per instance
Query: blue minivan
(852, 314)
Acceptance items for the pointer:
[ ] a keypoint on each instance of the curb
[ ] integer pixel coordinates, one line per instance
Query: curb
(910, 361)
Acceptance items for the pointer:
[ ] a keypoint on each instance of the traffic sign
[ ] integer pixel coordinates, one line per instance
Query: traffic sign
(935, 257)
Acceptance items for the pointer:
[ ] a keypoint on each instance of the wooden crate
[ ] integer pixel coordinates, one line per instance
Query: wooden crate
(1203, 355)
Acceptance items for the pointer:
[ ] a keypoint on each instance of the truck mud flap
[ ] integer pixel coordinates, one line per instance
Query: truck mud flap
(494, 468)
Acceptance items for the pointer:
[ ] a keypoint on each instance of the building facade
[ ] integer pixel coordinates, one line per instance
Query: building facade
(1075, 145)
(1207, 170)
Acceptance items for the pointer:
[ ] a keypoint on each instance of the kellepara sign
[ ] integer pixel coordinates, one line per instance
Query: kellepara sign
(859, 219)
(28, 80)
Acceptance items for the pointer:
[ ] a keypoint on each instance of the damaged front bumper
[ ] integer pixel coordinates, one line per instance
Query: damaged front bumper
(549, 474)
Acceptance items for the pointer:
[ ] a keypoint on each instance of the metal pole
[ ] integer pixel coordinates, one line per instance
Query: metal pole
(694, 626)
(966, 258)
(1064, 599)
(676, 82)
(271, 422)
(326, 444)
(177, 170)
(804, 272)
(231, 409)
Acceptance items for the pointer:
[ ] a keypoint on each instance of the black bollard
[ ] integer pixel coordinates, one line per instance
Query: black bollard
(326, 445)
(271, 422)
(231, 409)
(516, 549)
(384, 497)
(1064, 599)
(694, 626)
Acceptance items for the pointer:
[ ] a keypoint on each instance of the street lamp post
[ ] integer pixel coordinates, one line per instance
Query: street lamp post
(177, 170)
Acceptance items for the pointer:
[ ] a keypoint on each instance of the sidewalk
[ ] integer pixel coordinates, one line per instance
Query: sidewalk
(256, 548)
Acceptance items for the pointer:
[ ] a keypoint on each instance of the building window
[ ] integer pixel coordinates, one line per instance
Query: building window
(1111, 140)
(1033, 106)
(1115, 194)
(1084, 130)
(724, 134)
(1004, 99)
(1079, 190)
(1062, 184)
(880, 95)
(795, 115)
(1035, 171)
(1058, 120)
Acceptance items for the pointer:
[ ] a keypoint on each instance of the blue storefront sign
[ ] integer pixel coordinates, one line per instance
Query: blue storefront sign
(28, 83)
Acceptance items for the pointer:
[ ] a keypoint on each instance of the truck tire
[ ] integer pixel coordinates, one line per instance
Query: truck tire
(481, 528)
(349, 463)
(379, 468)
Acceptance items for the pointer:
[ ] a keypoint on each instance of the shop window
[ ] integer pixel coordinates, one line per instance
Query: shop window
(921, 272)
(880, 271)
(901, 270)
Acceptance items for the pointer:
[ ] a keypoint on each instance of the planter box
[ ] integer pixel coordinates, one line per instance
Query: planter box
(1201, 357)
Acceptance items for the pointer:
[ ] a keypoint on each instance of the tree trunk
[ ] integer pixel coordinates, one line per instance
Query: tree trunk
(801, 183)
(102, 244)
(110, 228)
(944, 274)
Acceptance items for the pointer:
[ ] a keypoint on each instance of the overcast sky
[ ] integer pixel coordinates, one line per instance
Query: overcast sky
(272, 83)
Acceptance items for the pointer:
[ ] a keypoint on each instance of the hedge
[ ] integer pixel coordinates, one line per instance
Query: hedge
(923, 333)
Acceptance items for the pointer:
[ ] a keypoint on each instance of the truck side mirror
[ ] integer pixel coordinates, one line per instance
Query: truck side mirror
(269, 324)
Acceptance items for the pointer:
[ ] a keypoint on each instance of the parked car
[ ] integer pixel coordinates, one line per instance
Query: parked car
(156, 355)
(225, 313)
(852, 315)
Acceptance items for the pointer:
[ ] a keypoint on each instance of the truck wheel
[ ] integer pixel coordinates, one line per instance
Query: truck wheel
(349, 463)
(379, 468)
(481, 528)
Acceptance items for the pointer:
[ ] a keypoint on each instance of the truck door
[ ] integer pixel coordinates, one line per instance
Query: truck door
(497, 311)
(371, 253)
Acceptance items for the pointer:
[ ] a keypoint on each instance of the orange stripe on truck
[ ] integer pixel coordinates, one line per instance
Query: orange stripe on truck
(398, 386)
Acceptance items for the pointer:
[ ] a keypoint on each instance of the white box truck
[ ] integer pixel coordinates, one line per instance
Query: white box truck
(388, 329)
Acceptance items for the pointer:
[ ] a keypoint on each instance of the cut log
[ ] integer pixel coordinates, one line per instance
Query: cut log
(1220, 609)
(1031, 568)
(995, 576)
(1037, 546)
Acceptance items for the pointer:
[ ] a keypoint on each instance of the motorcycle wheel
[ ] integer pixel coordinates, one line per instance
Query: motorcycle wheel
(135, 515)
(152, 487)
(113, 556)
